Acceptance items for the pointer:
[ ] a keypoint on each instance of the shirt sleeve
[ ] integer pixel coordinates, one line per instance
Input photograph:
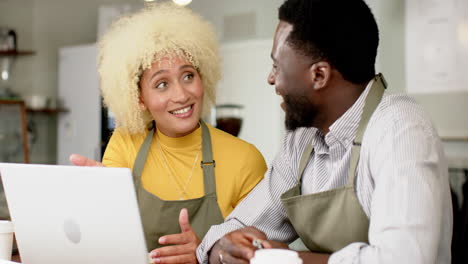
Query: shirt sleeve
(262, 207)
(252, 172)
(410, 207)
(116, 151)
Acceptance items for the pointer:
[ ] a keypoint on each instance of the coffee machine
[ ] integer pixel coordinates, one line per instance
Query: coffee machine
(229, 118)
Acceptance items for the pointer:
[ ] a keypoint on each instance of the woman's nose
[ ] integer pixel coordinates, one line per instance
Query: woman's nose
(180, 94)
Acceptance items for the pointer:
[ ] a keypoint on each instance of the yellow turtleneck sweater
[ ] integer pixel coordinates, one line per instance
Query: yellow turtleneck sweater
(239, 165)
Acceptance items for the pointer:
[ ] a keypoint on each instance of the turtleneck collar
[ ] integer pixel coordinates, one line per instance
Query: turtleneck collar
(189, 141)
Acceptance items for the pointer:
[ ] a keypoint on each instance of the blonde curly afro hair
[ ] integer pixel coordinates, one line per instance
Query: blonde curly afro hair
(134, 42)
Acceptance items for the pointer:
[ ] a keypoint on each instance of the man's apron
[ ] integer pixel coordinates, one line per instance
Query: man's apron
(328, 221)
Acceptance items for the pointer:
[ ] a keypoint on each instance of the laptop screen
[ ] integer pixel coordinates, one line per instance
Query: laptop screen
(69, 214)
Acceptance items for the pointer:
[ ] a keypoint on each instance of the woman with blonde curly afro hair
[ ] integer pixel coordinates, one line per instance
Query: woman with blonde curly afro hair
(158, 70)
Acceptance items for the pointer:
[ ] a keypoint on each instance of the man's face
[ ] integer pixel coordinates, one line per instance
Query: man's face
(292, 79)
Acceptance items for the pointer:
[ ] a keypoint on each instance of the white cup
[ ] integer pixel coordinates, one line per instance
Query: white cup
(6, 239)
(275, 256)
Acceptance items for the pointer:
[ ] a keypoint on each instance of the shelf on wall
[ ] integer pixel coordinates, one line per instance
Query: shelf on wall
(47, 110)
(17, 53)
(454, 138)
(34, 110)
(11, 100)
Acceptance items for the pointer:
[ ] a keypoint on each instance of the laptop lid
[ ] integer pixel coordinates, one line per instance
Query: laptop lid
(69, 214)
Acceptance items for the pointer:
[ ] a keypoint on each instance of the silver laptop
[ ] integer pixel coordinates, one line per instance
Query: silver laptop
(69, 214)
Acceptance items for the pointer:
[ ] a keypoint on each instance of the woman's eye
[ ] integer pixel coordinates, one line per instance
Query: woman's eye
(161, 85)
(188, 77)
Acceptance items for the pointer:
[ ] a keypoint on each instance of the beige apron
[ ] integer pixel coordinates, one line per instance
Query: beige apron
(160, 217)
(328, 221)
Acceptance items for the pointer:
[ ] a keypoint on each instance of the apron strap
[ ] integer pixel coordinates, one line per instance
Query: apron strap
(371, 102)
(303, 163)
(142, 155)
(207, 163)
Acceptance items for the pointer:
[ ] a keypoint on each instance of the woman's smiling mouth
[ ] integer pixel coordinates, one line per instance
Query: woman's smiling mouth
(182, 111)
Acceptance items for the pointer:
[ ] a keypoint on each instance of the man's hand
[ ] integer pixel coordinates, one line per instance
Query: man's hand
(184, 244)
(79, 160)
(274, 244)
(236, 247)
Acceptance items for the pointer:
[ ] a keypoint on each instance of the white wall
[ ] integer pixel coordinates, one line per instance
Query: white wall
(390, 60)
(215, 10)
(59, 23)
(390, 16)
(263, 118)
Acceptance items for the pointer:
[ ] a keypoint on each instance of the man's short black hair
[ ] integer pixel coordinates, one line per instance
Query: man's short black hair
(342, 32)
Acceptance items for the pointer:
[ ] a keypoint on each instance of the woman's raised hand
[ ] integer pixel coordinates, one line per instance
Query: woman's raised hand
(79, 160)
(183, 245)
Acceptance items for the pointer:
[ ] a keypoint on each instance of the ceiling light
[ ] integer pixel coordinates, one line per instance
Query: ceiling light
(5, 75)
(182, 2)
(177, 2)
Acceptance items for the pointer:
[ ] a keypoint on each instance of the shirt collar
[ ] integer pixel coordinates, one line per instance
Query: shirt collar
(343, 130)
(320, 146)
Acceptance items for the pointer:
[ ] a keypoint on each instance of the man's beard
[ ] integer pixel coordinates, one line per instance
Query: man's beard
(299, 112)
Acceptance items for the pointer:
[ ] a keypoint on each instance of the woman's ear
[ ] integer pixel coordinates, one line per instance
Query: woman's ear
(141, 104)
(320, 74)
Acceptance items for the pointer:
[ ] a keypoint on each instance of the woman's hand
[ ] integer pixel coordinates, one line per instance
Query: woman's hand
(79, 160)
(183, 247)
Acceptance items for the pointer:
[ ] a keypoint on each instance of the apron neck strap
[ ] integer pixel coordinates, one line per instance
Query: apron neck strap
(372, 101)
(304, 160)
(140, 159)
(207, 162)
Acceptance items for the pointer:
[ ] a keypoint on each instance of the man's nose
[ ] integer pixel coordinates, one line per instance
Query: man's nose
(271, 78)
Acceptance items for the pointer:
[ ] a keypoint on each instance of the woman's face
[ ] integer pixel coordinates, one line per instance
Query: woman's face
(172, 91)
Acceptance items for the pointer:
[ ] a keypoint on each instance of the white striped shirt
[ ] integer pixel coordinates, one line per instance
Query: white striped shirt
(402, 185)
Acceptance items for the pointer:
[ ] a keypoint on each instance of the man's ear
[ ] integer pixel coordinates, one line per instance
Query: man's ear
(320, 74)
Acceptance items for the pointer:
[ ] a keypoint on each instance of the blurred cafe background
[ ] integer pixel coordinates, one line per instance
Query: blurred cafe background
(50, 104)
